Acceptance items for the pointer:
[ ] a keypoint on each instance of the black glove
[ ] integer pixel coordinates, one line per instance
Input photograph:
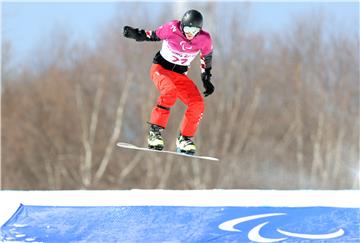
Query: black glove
(209, 87)
(137, 34)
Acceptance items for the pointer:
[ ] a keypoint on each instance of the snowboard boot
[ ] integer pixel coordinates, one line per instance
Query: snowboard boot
(155, 140)
(185, 145)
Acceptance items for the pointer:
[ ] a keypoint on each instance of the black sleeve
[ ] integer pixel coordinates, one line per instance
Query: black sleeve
(151, 35)
(206, 62)
(147, 35)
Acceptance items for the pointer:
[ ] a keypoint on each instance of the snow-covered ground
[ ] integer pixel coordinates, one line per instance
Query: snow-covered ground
(10, 200)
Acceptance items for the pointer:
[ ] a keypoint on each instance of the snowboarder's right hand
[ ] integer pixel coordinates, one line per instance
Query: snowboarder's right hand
(209, 87)
(137, 34)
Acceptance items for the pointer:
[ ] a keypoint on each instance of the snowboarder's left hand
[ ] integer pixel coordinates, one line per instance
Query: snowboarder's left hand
(209, 87)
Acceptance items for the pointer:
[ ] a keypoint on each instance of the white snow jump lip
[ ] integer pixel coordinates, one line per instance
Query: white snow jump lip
(131, 146)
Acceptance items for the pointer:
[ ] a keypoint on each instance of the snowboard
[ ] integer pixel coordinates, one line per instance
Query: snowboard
(131, 146)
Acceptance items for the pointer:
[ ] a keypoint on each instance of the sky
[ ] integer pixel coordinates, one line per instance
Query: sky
(26, 24)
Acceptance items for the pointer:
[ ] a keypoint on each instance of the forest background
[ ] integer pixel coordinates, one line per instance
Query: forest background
(284, 115)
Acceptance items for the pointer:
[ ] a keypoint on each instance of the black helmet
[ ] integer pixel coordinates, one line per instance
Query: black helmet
(192, 18)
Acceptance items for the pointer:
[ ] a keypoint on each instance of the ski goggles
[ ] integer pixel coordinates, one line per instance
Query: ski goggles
(191, 30)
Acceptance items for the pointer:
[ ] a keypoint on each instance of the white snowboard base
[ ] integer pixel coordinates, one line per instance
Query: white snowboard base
(131, 146)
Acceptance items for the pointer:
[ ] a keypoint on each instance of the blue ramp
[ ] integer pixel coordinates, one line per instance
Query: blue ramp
(182, 224)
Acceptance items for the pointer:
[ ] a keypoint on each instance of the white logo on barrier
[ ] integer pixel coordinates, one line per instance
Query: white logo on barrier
(254, 233)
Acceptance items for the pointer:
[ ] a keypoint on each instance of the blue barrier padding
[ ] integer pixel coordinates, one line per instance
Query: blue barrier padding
(182, 224)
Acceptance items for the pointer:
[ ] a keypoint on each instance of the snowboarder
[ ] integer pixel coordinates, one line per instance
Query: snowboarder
(182, 41)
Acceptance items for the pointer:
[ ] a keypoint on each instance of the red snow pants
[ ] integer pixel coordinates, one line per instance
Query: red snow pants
(172, 86)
